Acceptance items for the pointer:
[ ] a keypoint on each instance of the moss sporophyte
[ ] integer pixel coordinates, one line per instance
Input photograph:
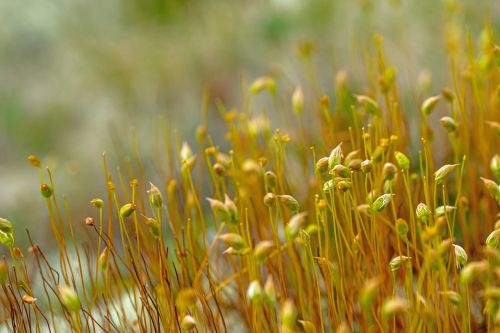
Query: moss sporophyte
(356, 208)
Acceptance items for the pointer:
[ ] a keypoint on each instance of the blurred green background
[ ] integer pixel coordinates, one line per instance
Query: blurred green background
(76, 75)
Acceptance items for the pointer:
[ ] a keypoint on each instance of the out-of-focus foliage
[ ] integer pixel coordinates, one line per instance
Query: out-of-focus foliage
(76, 75)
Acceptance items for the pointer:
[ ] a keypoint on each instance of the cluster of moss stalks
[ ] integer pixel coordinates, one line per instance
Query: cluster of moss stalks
(337, 222)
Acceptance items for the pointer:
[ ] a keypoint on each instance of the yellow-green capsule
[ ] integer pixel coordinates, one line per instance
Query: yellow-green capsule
(442, 210)
(393, 306)
(495, 166)
(97, 203)
(460, 256)
(289, 314)
(127, 210)
(402, 160)
(155, 197)
(473, 270)
(328, 186)
(322, 164)
(232, 210)
(254, 292)
(451, 296)
(370, 105)
(368, 292)
(341, 171)
(335, 157)
(185, 153)
(6, 233)
(262, 250)
(381, 202)
(154, 227)
(493, 188)
(290, 202)
(263, 83)
(271, 179)
(355, 164)
(402, 227)
(443, 172)
(234, 240)
(46, 190)
(429, 104)
(69, 298)
(188, 323)
(269, 199)
(423, 212)
(389, 171)
(493, 239)
(219, 209)
(34, 161)
(366, 166)
(269, 291)
(295, 225)
(103, 259)
(449, 124)
(396, 262)
(298, 100)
